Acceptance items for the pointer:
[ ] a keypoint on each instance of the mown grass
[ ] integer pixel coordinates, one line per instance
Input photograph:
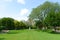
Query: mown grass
(28, 35)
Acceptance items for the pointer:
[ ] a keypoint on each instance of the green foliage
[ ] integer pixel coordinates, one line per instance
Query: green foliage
(8, 23)
(16, 24)
(39, 24)
(19, 25)
(1, 28)
(53, 16)
(47, 14)
(22, 25)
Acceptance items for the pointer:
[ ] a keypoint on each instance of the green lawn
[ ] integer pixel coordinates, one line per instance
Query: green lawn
(29, 35)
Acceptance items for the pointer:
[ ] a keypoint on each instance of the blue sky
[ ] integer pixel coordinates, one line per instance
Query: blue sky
(19, 9)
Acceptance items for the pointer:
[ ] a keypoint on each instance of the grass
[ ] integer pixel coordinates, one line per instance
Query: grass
(29, 35)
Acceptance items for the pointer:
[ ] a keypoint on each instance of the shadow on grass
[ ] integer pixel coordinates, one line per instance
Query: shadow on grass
(53, 32)
(12, 32)
(16, 31)
(9, 32)
(2, 38)
(37, 30)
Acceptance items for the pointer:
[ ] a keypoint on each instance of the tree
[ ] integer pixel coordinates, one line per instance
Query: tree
(47, 14)
(39, 24)
(39, 13)
(29, 23)
(8, 23)
(16, 24)
(53, 18)
(22, 25)
(11, 24)
(19, 25)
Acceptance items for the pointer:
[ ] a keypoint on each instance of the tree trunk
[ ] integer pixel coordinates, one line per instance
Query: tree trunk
(55, 29)
(29, 28)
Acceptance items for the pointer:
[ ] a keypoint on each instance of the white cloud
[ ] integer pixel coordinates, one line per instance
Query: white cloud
(25, 18)
(8, 0)
(18, 1)
(21, 18)
(23, 14)
(21, 1)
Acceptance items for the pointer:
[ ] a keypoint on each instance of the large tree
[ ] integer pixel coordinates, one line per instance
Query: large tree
(48, 14)
(39, 13)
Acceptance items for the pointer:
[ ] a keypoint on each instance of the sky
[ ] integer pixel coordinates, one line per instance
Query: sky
(19, 9)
